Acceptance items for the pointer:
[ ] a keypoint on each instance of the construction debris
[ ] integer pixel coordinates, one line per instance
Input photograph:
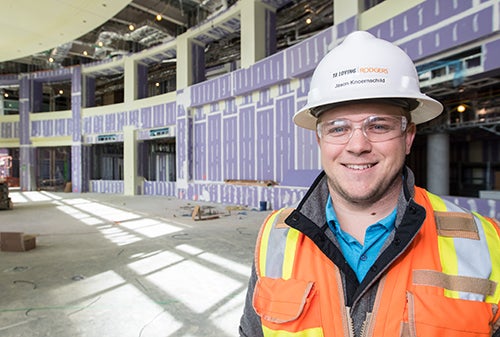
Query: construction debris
(204, 213)
(16, 241)
(229, 209)
(267, 183)
(5, 202)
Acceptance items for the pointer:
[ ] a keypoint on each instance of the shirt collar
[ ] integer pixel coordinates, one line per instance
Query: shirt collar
(331, 218)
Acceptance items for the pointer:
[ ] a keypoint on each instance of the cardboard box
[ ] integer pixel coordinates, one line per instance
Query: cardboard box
(16, 242)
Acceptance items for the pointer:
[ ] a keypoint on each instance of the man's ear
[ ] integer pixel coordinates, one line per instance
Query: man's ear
(410, 136)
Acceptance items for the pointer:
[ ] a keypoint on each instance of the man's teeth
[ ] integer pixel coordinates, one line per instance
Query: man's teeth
(359, 167)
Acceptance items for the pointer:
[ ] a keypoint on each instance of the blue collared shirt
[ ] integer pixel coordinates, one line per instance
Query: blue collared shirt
(361, 256)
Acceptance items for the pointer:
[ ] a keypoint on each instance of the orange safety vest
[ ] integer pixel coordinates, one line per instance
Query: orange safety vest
(432, 289)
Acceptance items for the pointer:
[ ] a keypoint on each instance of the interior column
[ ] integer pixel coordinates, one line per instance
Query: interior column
(258, 32)
(438, 163)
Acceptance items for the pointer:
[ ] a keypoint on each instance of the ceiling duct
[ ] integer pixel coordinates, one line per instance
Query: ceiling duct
(60, 52)
(148, 35)
(108, 37)
(111, 44)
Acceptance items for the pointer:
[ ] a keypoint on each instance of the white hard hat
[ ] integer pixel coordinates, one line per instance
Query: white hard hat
(364, 67)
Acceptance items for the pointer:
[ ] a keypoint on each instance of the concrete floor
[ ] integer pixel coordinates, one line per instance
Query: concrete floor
(113, 265)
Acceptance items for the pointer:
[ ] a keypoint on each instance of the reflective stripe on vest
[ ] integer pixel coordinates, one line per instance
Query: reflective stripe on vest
(464, 256)
(277, 249)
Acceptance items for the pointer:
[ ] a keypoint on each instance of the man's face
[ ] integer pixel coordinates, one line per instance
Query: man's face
(363, 171)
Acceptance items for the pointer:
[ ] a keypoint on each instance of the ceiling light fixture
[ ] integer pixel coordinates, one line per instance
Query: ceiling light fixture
(309, 13)
(131, 27)
(159, 17)
(461, 108)
(51, 59)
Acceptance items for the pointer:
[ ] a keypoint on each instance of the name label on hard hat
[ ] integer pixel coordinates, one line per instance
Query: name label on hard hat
(362, 81)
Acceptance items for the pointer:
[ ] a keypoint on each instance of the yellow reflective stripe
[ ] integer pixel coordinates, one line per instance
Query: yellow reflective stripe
(437, 203)
(447, 253)
(449, 261)
(289, 256)
(312, 332)
(493, 242)
(264, 242)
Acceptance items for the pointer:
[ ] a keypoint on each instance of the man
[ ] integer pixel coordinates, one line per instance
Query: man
(366, 252)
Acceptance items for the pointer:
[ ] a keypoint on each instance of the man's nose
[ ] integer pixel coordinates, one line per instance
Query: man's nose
(358, 142)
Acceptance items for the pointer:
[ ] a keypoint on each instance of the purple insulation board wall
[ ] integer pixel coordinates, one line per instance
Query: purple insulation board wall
(77, 169)
(107, 186)
(198, 59)
(213, 90)
(146, 118)
(285, 140)
(9, 130)
(27, 158)
(86, 168)
(75, 124)
(426, 14)
(486, 207)
(230, 148)
(491, 53)
(213, 147)
(246, 131)
(302, 58)
(466, 27)
(264, 158)
(90, 91)
(52, 128)
(270, 32)
(166, 188)
(142, 81)
(133, 117)
(24, 109)
(199, 151)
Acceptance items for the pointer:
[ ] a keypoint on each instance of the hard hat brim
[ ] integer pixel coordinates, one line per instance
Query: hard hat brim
(427, 109)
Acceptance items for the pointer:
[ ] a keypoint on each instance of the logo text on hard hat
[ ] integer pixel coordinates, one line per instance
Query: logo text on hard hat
(344, 72)
(377, 70)
(362, 70)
